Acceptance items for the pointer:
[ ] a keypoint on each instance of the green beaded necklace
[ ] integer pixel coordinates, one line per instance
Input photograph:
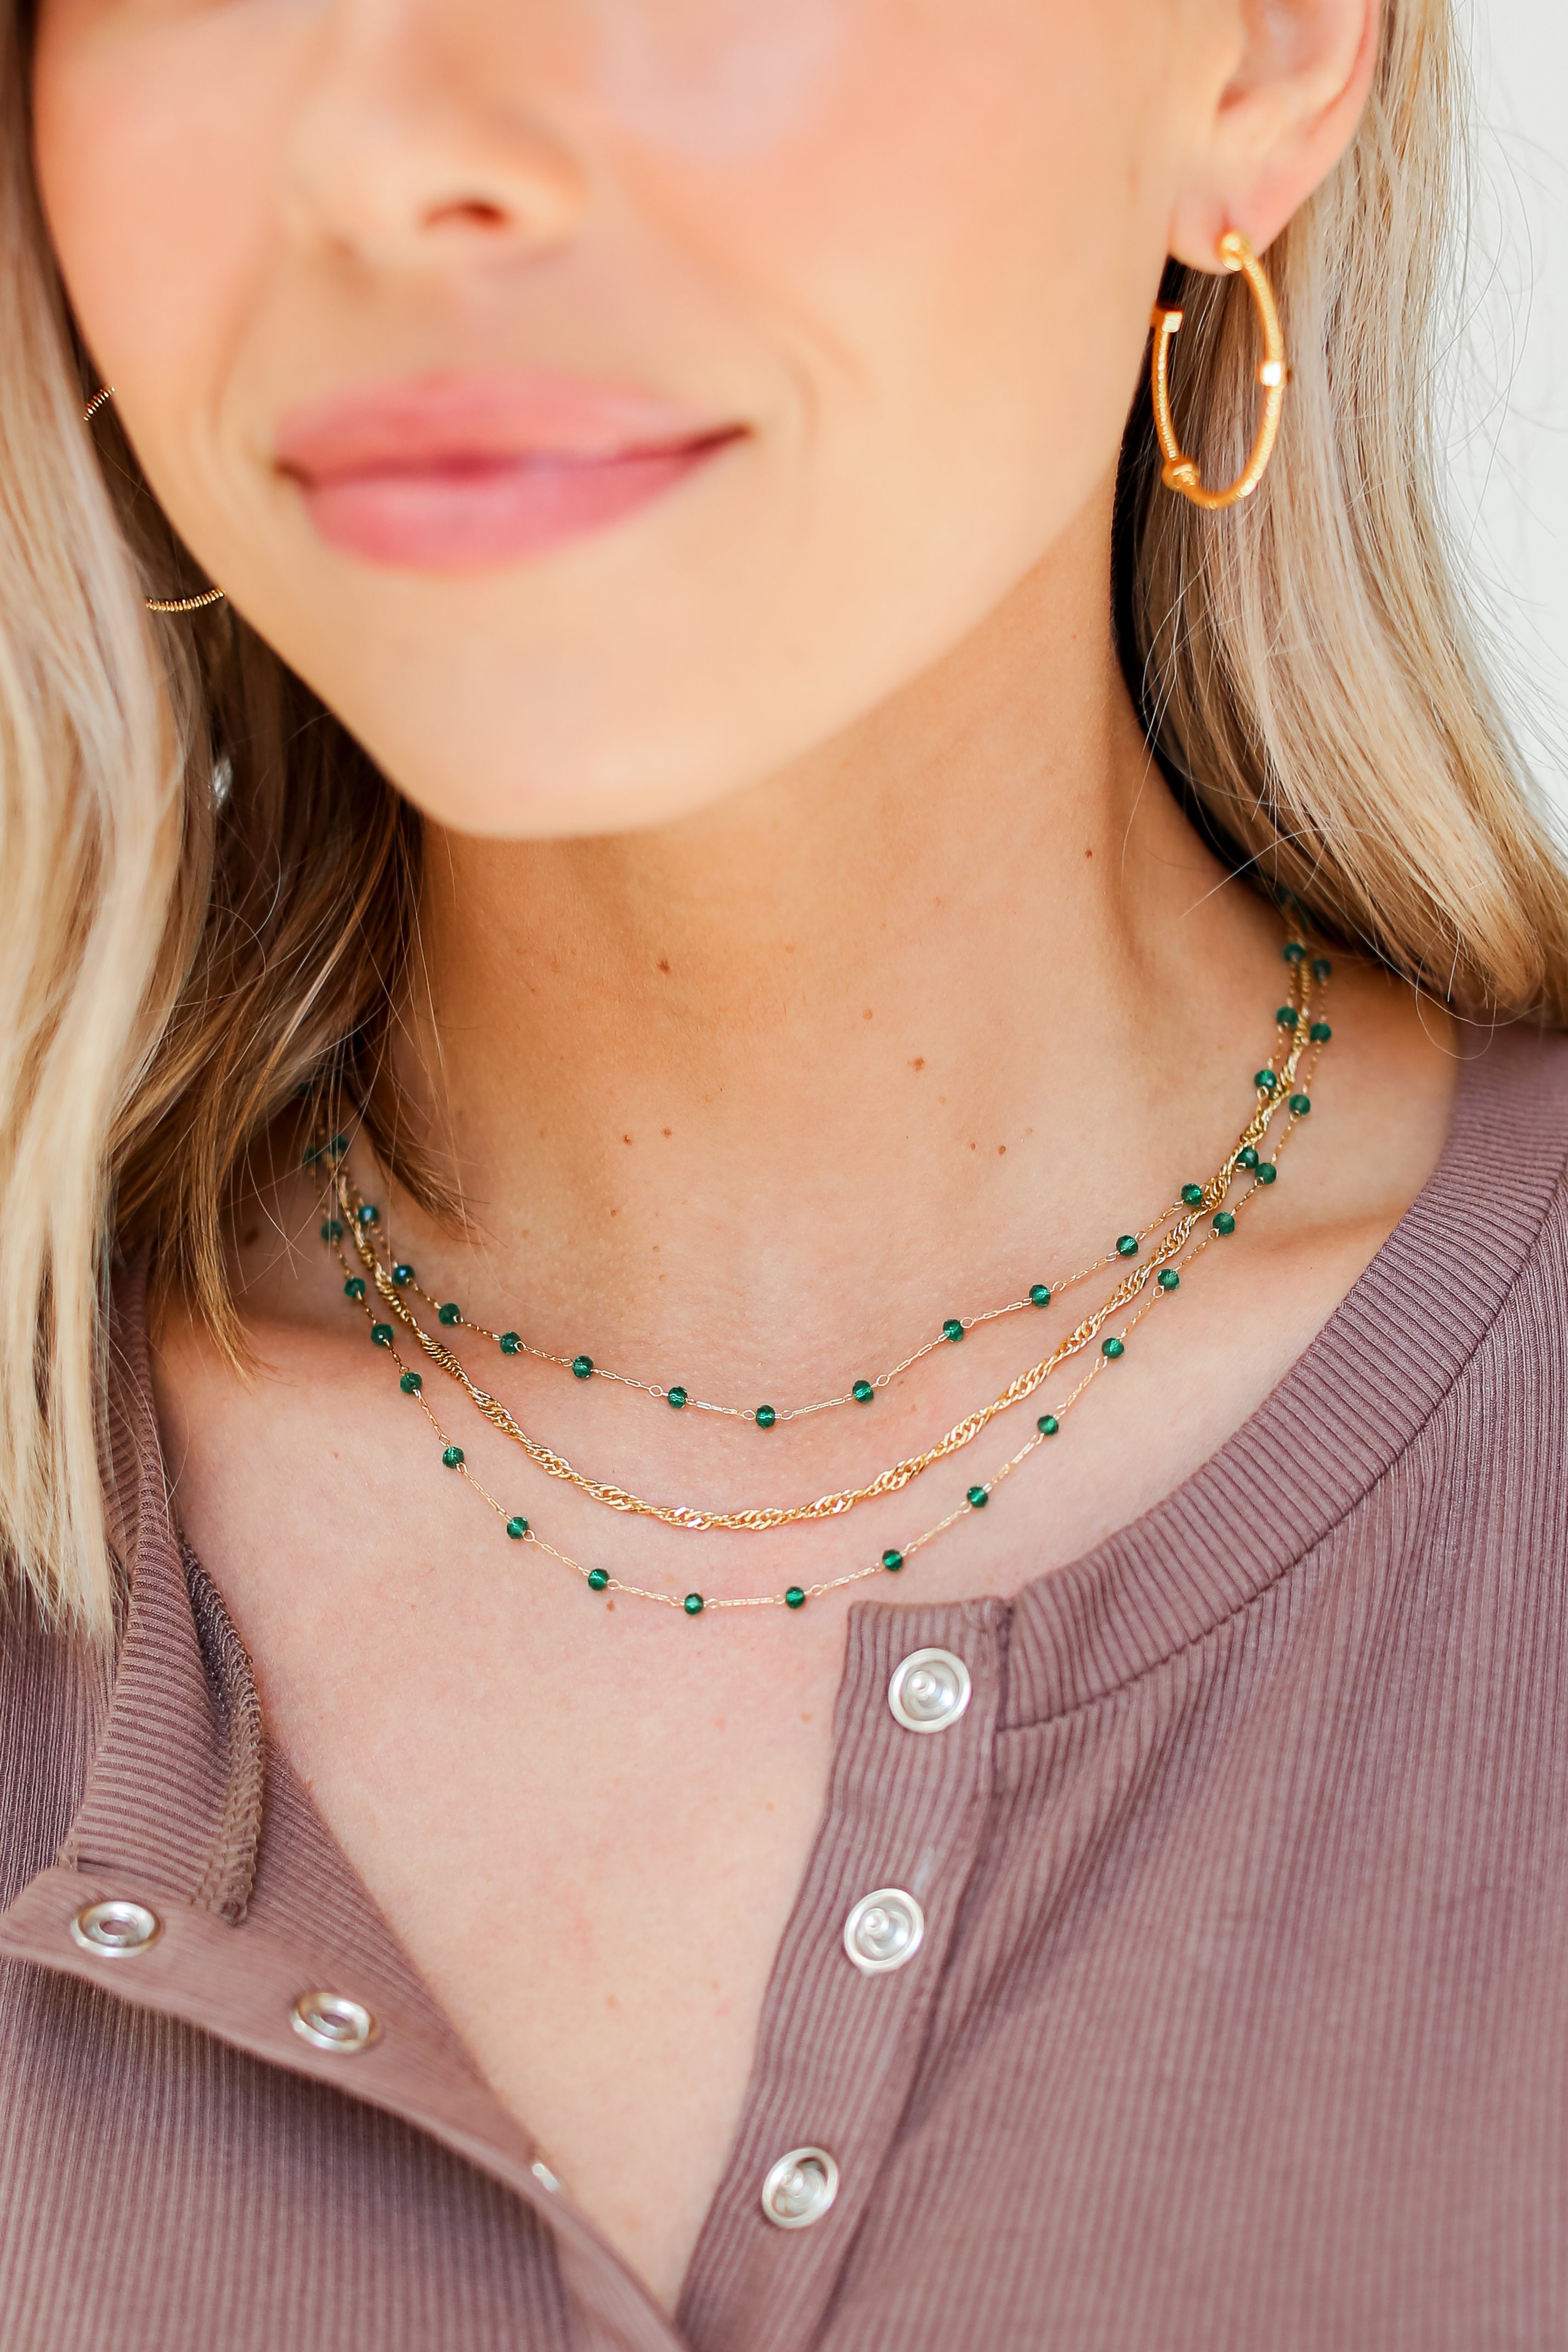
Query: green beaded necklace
(1285, 1089)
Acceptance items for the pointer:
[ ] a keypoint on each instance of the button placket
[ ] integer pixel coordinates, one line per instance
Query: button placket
(845, 2019)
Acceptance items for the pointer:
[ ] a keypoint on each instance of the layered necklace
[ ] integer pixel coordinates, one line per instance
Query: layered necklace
(1148, 1262)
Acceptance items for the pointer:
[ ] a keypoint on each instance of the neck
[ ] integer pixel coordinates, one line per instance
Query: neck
(882, 1022)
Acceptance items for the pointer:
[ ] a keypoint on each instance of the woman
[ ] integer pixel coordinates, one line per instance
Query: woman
(703, 807)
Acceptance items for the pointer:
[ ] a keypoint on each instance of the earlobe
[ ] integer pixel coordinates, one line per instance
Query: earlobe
(1282, 120)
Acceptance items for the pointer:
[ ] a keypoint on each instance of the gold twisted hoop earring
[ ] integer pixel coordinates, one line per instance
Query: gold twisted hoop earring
(156, 603)
(1180, 472)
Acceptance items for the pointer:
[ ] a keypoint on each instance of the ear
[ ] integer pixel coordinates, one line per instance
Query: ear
(1296, 80)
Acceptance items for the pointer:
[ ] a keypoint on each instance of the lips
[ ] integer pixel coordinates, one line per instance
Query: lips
(453, 473)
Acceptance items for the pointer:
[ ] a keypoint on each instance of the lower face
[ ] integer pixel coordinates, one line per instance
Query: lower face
(602, 403)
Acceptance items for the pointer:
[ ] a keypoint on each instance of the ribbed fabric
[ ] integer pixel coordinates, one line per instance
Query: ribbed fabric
(1241, 2014)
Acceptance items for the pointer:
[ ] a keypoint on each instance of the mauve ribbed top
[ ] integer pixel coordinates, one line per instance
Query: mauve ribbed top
(1241, 2017)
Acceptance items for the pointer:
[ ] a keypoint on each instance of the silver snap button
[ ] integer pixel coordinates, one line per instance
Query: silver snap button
(330, 2020)
(929, 1690)
(884, 1930)
(111, 1928)
(800, 2188)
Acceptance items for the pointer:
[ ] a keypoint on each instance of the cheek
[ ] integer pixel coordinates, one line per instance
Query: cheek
(942, 216)
(156, 137)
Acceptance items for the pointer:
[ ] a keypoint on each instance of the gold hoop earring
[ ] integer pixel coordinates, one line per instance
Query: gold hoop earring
(1180, 472)
(156, 603)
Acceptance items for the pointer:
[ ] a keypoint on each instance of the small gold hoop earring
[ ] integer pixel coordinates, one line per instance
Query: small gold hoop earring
(1180, 472)
(156, 603)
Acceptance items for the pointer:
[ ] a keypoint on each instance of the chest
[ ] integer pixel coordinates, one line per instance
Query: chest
(592, 1824)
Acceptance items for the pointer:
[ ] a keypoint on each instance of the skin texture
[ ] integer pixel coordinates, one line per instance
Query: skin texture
(810, 950)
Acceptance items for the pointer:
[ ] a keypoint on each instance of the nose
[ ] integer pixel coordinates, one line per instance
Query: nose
(413, 144)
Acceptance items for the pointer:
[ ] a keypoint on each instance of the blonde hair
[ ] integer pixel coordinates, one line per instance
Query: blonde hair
(210, 891)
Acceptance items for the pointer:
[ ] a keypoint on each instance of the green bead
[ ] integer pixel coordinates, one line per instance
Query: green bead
(765, 1416)
(1301, 1105)
(309, 1156)
(517, 1528)
(510, 1344)
(893, 1561)
(369, 1215)
(1039, 1294)
(1168, 1278)
(411, 1384)
(1225, 1223)
(1295, 952)
(1321, 968)
(1126, 1245)
(598, 1577)
(353, 1287)
(693, 1604)
(1048, 1424)
(1265, 1081)
(339, 1144)
(862, 1392)
(1266, 1172)
(1287, 1016)
(1320, 1033)
(1247, 1158)
(1193, 1195)
(402, 1275)
(582, 1366)
(1113, 1347)
(449, 1313)
(794, 1598)
(332, 1231)
(677, 1398)
(382, 1333)
(979, 1499)
(952, 1329)
(452, 1455)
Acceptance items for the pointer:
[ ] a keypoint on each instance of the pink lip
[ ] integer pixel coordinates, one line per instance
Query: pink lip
(450, 473)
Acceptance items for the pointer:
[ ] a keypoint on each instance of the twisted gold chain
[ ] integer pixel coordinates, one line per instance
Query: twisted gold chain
(599, 1580)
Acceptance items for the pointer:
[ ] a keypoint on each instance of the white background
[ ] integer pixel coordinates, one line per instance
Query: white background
(1508, 444)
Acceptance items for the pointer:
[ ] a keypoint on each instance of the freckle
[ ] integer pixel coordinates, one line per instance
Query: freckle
(974, 1147)
(625, 1139)
(610, 1605)
(610, 2001)
(805, 1718)
(615, 1212)
(866, 1014)
(248, 1238)
(663, 964)
(942, 1099)
(1001, 1151)
(918, 1063)
(1089, 853)
(789, 947)
(667, 1131)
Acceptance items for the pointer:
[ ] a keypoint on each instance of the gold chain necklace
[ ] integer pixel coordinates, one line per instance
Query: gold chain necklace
(893, 1561)
(1274, 1088)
